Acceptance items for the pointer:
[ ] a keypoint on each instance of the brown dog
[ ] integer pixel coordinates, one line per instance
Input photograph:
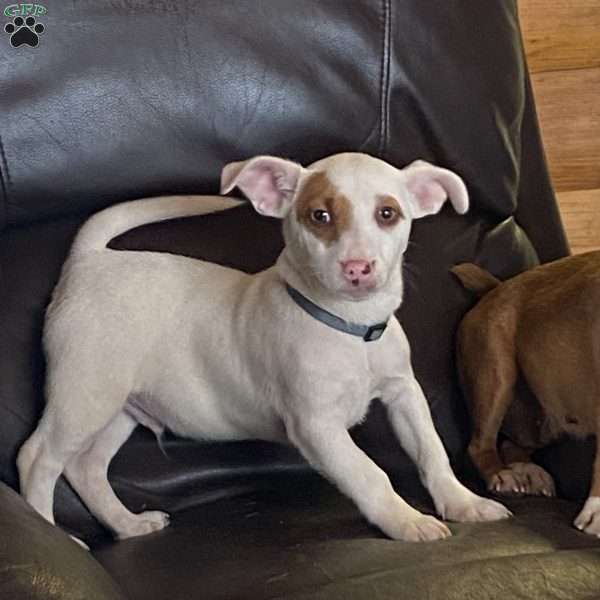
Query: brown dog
(529, 361)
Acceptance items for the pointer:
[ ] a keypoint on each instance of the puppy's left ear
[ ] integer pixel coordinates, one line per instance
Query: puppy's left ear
(270, 183)
(430, 186)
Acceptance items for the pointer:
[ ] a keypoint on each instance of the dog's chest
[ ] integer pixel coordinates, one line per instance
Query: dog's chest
(344, 386)
(355, 405)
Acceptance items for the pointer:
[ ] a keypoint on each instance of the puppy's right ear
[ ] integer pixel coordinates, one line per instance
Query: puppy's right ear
(270, 183)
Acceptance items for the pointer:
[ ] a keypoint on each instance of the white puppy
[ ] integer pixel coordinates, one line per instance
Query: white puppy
(294, 353)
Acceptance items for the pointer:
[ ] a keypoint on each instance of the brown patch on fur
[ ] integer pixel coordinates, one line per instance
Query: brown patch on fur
(389, 202)
(541, 328)
(318, 193)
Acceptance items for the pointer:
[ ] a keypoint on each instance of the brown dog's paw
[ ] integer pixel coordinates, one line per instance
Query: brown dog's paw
(522, 478)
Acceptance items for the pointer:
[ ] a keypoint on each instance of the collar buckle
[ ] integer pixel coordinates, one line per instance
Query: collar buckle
(374, 332)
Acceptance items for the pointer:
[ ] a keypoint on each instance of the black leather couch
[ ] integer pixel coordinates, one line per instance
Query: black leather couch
(132, 98)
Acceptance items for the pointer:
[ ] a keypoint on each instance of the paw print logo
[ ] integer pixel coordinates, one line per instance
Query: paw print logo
(24, 31)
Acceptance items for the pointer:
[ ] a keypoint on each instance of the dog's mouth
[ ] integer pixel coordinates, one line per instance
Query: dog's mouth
(358, 290)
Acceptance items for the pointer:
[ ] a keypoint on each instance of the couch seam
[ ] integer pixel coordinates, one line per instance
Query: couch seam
(4, 186)
(384, 80)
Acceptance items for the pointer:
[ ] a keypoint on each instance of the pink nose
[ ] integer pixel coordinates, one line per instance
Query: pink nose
(358, 271)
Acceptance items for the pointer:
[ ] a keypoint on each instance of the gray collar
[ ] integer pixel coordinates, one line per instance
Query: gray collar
(369, 333)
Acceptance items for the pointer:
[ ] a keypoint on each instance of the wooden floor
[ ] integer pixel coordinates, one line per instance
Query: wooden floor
(562, 43)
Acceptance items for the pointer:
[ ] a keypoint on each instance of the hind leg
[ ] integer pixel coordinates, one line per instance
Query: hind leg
(42, 459)
(489, 374)
(37, 481)
(79, 406)
(87, 473)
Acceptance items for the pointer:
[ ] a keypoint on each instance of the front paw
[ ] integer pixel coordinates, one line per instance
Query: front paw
(142, 524)
(588, 519)
(400, 521)
(419, 528)
(475, 509)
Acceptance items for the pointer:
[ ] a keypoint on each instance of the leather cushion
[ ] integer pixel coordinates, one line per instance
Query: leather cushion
(305, 540)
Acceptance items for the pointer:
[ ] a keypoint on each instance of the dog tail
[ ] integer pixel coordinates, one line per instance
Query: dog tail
(102, 227)
(475, 279)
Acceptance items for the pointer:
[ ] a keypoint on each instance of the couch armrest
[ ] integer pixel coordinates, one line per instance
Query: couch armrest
(40, 561)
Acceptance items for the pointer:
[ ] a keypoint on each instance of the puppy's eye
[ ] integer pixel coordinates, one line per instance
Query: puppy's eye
(386, 213)
(321, 216)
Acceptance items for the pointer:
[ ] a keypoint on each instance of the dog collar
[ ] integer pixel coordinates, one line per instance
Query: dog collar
(369, 333)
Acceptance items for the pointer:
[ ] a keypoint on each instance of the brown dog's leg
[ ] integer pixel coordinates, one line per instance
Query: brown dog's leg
(488, 373)
(511, 452)
(491, 397)
(513, 473)
(482, 449)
